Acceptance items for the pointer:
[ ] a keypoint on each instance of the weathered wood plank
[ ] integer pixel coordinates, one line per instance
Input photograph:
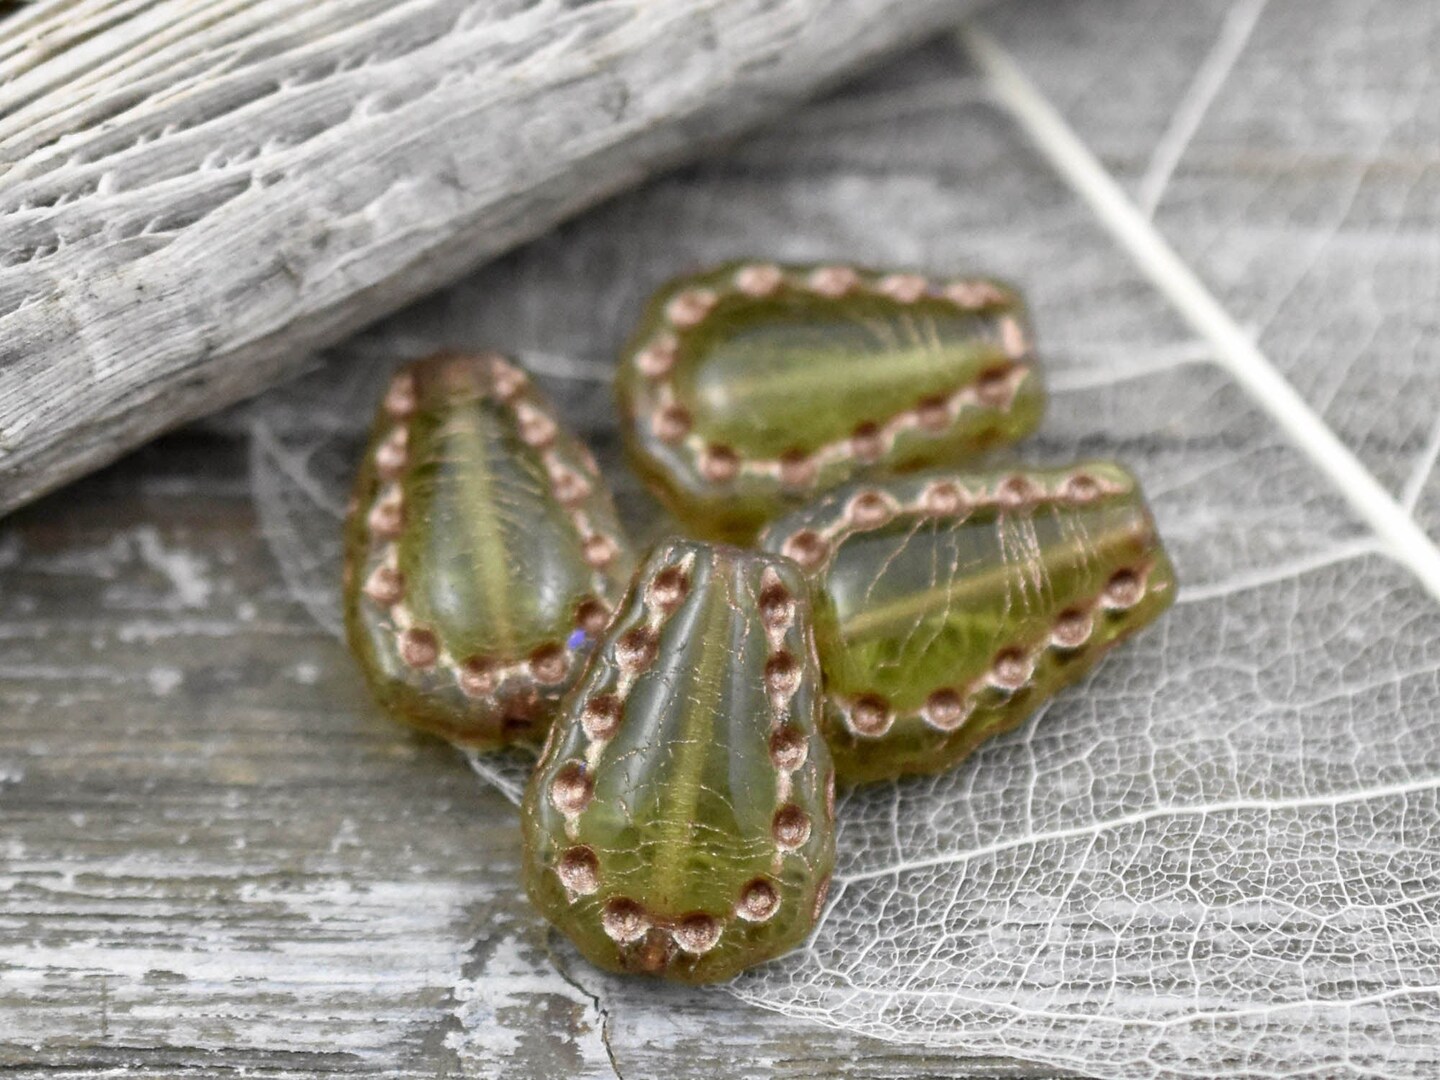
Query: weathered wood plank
(194, 193)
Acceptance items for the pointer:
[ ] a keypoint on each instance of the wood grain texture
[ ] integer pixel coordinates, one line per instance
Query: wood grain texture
(195, 193)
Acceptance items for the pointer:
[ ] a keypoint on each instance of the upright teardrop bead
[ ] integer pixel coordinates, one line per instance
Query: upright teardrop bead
(681, 819)
(949, 606)
(750, 388)
(483, 556)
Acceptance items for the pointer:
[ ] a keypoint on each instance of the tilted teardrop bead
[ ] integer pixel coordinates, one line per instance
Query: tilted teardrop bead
(749, 388)
(482, 554)
(950, 605)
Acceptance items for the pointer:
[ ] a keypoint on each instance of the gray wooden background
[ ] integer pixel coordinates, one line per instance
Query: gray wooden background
(218, 858)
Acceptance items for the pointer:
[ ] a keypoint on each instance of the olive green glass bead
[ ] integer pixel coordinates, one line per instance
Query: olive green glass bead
(949, 606)
(681, 819)
(482, 553)
(749, 388)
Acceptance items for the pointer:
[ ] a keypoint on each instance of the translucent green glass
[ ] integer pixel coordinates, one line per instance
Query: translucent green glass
(949, 605)
(749, 388)
(483, 555)
(681, 820)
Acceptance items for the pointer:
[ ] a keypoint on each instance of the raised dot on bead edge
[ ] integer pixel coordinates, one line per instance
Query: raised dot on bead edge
(624, 921)
(392, 454)
(569, 486)
(400, 397)
(868, 509)
(965, 294)
(903, 288)
(782, 674)
(759, 901)
(387, 519)
(689, 309)
(790, 827)
(1081, 488)
(658, 358)
(506, 379)
(636, 649)
(943, 498)
(592, 616)
(1072, 629)
(719, 464)
(571, 789)
(1011, 670)
(870, 716)
(601, 716)
(797, 469)
(933, 415)
(667, 588)
(536, 429)
(385, 586)
(1016, 491)
(697, 934)
(598, 550)
(788, 749)
(549, 663)
(477, 677)
(760, 280)
(975, 293)
(806, 547)
(579, 870)
(777, 606)
(419, 647)
(867, 443)
(1124, 590)
(945, 709)
(834, 282)
(671, 424)
(992, 388)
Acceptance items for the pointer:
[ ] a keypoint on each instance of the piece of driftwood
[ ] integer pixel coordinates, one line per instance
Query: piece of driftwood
(196, 193)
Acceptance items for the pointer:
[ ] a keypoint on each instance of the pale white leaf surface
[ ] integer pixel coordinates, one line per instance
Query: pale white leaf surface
(1219, 856)
(1306, 191)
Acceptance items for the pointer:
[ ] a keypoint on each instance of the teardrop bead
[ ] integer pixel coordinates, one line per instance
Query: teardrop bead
(681, 820)
(483, 554)
(750, 388)
(950, 606)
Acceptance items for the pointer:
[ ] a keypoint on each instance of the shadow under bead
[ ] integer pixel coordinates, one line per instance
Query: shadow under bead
(749, 388)
(951, 605)
(483, 556)
(681, 819)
